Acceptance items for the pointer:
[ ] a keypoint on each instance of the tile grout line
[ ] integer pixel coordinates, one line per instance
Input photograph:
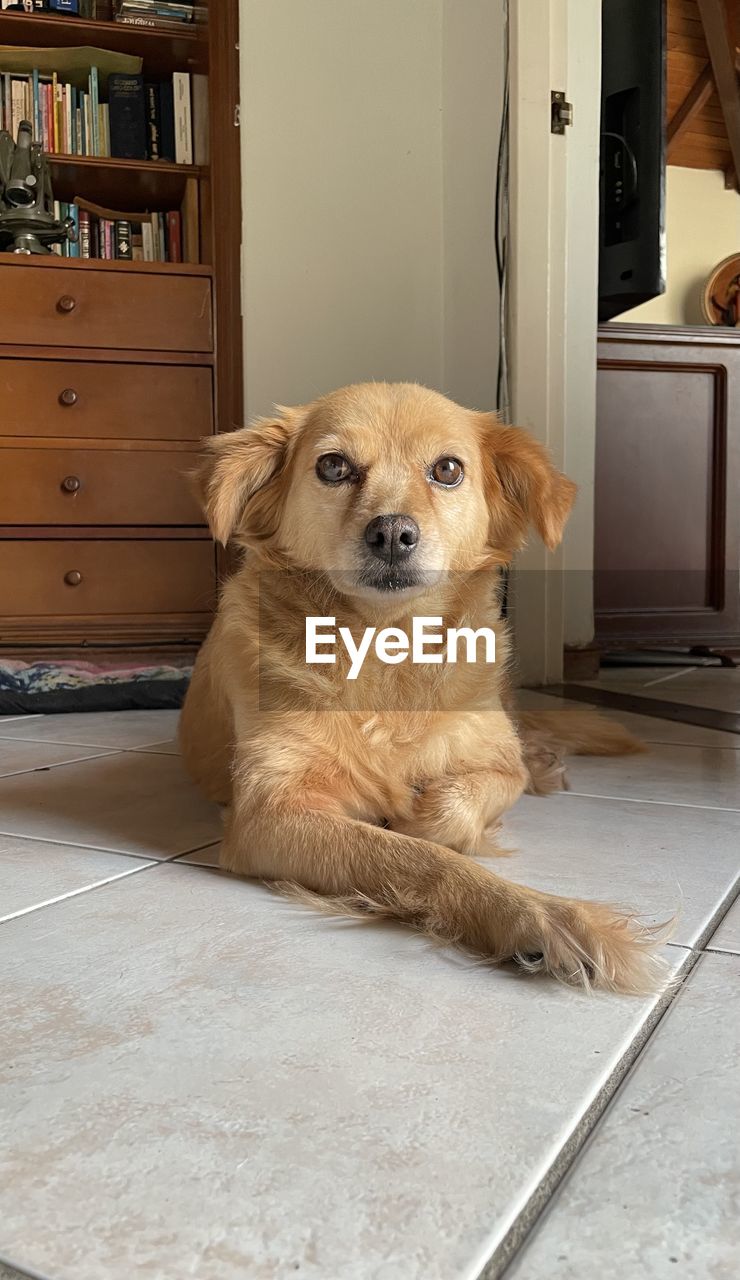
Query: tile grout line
(104, 752)
(99, 848)
(675, 804)
(76, 893)
(59, 742)
(100, 884)
(684, 671)
(717, 916)
(526, 1220)
(24, 1272)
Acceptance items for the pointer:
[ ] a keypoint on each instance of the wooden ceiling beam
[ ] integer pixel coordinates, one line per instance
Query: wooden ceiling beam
(722, 59)
(696, 98)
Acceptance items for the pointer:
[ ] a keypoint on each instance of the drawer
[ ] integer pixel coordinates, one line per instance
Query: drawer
(125, 401)
(64, 307)
(76, 578)
(71, 486)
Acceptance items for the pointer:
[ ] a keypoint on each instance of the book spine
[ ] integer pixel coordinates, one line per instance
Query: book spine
(128, 117)
(68, 117)
(153, 121)
(101, 130)
(74, 214)
(147, 242)
(137, 242)
(55, 112)
(123, 241)
(17, 104)
(167, 119)
(37, 130)
(183, 118)
(8, 102)
(201, 127)
(94, 104)
(48, 120)
(174, 237)
(85, 239)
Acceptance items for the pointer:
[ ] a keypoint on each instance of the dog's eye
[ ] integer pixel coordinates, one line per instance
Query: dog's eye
(447, 471)
(332, 468)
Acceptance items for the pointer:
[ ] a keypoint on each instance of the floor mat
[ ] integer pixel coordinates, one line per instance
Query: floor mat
(53, 688)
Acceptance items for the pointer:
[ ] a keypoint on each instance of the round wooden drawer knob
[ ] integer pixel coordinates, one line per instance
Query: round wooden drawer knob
(68, 396)
(70, 484)
(73, 578)
(66, 304)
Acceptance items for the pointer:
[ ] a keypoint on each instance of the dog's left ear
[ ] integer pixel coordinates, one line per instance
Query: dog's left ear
(523, 485)
(239, 476)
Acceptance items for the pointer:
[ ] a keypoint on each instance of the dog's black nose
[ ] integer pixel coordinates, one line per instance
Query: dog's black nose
(392, 538)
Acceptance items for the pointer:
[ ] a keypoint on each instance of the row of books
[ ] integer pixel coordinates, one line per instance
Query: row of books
(168, 14)
(157, 13)
(159, 240)
(64, 119)
(141, 120)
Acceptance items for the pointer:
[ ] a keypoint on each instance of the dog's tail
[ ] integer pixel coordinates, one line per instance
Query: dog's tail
(578, 732)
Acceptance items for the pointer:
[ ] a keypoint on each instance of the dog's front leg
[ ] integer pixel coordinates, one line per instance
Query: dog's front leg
(278, 836)
(456, 810)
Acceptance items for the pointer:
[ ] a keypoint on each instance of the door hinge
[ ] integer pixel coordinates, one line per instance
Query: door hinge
(561, 112)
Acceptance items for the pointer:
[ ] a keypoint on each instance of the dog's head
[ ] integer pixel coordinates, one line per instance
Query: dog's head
(382, 487)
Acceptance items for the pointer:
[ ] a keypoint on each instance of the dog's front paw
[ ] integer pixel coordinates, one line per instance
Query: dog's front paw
(594, 945)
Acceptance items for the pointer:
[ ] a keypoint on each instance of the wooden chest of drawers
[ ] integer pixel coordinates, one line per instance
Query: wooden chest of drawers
(106, 387)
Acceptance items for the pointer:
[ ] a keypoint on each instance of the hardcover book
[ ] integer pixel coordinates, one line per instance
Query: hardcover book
(167, 121)
(183, 118)
(128, 127)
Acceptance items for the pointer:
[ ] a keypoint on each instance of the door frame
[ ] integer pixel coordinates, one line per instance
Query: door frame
(553, 283)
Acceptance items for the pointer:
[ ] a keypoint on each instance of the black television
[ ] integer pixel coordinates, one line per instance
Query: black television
(633, 155)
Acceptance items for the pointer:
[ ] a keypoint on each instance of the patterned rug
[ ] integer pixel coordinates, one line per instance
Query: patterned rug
(30, 688)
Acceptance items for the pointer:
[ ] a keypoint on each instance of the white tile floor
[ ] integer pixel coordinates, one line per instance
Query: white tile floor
(199, 1079)
(717, 687)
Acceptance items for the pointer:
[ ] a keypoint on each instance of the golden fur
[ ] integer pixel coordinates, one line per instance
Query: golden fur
(366, 796)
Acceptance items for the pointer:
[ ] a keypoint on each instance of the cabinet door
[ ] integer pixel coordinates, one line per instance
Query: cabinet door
(667, 500)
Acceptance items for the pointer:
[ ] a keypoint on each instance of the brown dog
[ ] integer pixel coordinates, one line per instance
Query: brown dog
(374, 505)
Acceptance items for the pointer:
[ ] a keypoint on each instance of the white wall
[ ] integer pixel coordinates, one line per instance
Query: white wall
(342, 194)
(472, 92)
(369, 136)
(702, 228)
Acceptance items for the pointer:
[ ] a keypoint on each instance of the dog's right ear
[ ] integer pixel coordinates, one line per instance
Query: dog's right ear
(239, 477)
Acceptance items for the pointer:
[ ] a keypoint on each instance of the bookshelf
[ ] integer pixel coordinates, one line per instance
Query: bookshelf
(163, 52)
(119, 184)
(69, 351)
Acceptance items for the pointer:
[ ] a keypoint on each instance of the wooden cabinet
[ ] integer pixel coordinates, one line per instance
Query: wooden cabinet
(112, 371)
(103, 307)
(118, 401)
(667, 500)
(64, 584)
(102, 403)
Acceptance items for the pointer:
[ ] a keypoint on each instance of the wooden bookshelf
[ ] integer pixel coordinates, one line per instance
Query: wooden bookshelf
(163, 51)
(84, 337)
(122, 184)
(206, 48)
